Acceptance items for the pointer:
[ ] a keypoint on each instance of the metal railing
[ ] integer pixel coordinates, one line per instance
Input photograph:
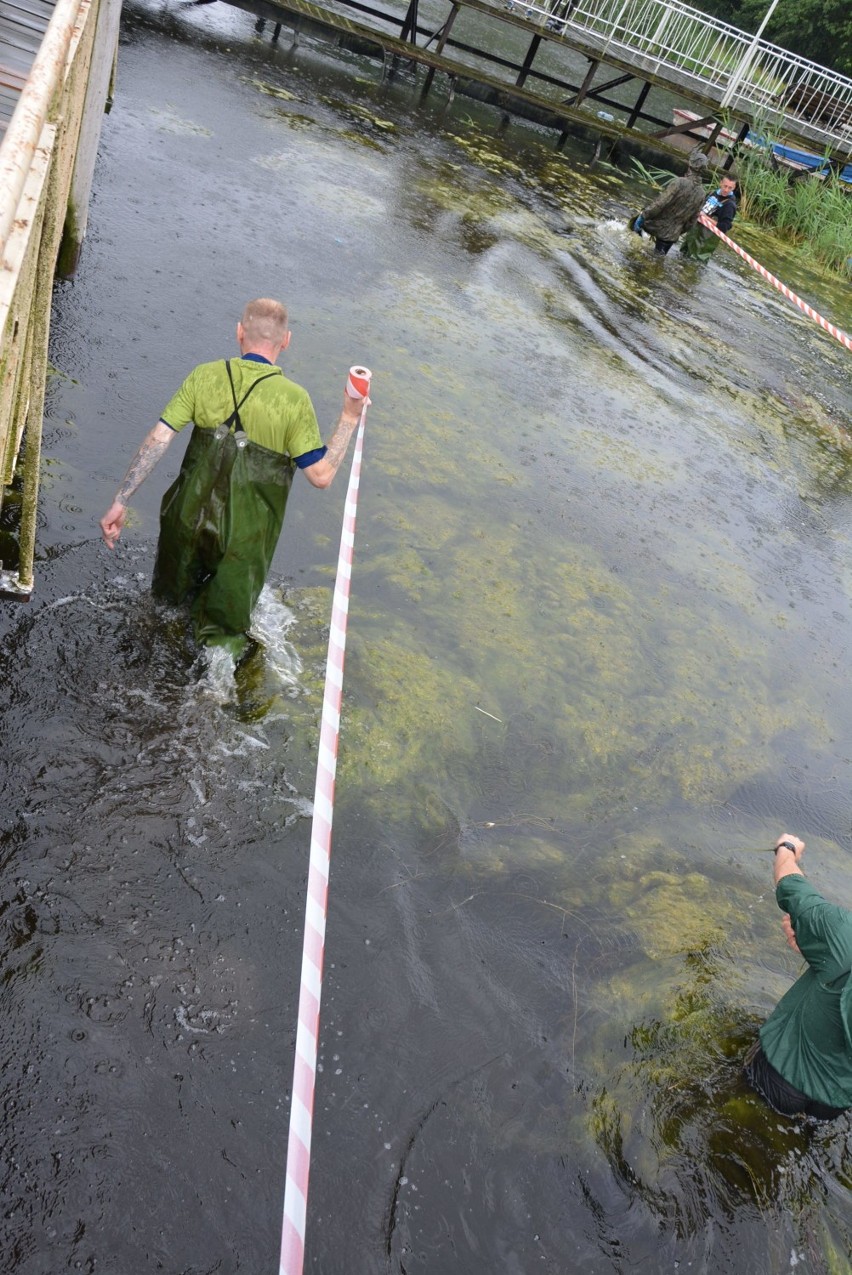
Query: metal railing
(753, 74)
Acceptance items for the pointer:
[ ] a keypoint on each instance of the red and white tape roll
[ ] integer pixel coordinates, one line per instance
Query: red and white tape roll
(776, 283)
(313, 947)
(358, 384)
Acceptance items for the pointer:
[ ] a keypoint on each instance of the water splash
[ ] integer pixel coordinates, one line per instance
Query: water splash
(271, 621)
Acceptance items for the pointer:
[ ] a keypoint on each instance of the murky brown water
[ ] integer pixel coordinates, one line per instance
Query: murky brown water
(606, 500)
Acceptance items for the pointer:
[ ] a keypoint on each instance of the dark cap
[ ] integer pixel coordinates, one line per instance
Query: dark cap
(698, 161)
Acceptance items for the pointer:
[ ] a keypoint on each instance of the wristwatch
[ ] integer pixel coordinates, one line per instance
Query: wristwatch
(785, 845)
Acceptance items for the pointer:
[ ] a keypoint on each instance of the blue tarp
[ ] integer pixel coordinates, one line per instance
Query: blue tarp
(815, 162)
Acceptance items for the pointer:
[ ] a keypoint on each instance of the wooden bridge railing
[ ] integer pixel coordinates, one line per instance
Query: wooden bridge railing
(46, 158)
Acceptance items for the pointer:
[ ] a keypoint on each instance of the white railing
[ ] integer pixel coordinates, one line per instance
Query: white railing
(725, 61)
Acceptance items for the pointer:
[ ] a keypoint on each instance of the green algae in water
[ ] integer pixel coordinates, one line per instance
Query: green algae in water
(170, 122)
(678, 1125)
(272, 90)
(361, 139)
(296, 121)
(673, 913)
(587, 637)
(617, 703)
(480, 152)
(404, 705)
(362, 115)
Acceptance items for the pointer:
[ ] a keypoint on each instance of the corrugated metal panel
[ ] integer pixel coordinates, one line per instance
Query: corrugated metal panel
(22, 27)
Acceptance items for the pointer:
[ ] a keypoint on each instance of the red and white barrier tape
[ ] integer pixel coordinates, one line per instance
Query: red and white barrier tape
(776, 283)
(313, 948)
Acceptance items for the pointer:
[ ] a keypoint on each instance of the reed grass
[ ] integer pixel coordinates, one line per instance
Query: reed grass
(813, 213)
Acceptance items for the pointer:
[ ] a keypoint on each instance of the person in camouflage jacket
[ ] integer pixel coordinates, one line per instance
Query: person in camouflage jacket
(676, 207)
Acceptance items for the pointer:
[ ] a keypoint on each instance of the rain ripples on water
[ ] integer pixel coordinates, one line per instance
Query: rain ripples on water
(597, 657)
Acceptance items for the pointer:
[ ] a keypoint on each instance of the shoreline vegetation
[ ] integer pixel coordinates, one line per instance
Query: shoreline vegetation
(812, 213)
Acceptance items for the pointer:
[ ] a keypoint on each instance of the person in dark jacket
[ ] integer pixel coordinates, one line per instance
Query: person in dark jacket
(801, 1063)
(721, 207)
(675, 209)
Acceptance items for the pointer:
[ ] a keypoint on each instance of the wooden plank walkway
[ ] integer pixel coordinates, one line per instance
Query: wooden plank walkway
(22, 27)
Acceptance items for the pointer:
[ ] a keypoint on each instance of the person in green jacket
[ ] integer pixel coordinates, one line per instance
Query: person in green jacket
(802, 1062)
(221, 518)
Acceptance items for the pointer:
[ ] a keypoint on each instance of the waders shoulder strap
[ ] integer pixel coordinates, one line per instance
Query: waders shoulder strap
(233, 423)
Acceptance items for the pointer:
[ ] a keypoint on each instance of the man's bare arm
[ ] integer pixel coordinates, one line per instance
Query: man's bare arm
(153, 446)
(321, 473)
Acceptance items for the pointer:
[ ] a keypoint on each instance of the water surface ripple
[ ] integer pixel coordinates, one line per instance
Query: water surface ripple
(605, 501)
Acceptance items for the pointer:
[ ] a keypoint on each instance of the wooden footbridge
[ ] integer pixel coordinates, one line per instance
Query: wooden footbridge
(733, 79)
(558, 62)
(56, 65)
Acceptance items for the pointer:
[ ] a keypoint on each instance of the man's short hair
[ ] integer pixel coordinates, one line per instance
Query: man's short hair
(265, 320)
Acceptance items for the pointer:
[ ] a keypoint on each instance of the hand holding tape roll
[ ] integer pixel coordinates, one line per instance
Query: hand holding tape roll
(358, 383)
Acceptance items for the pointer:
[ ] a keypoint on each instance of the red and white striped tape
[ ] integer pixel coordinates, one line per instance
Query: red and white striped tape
(313, 947)
(776, 283)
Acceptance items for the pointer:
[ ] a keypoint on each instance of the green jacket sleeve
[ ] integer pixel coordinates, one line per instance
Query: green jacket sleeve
(823, 930)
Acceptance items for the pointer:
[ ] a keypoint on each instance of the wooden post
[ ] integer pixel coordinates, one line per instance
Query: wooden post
(741, 136)
(408, 32)
(100, 73)
(439, 48)
(585, 86)
(409, 23)
(528, 60)
(450, 97)
(640, 102)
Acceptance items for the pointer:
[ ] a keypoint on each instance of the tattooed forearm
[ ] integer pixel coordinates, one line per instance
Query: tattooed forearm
(339, 441)
(143, 462)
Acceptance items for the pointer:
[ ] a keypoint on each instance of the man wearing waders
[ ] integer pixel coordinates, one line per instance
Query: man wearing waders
(720, 207)
(221, 518)
(675, 209)
(802, 1061)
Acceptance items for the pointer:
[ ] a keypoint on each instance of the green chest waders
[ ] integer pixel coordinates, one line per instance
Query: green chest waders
(219, 524)
(699, 243)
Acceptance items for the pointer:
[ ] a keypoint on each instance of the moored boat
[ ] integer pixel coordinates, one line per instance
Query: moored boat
(787, 156)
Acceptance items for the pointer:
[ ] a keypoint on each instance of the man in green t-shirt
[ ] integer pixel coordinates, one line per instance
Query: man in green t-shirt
(802, 1062)
(221, 518)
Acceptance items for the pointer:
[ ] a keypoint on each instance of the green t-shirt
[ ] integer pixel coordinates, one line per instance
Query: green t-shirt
(808, 1036)
(278, 415)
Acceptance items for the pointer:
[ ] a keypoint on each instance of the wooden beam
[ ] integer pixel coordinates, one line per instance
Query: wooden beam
(528, 60)
(685, 128)
(585, 86)
(640, 102)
